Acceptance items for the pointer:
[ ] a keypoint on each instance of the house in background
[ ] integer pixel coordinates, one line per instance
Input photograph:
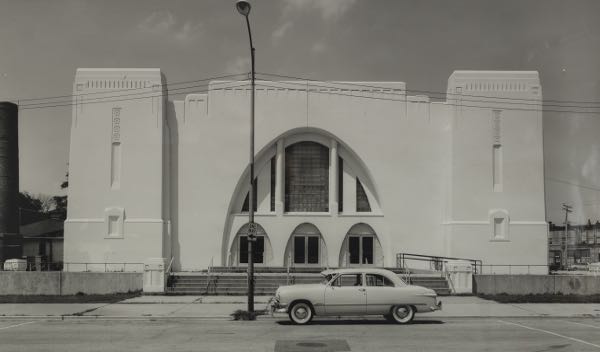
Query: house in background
(43, 244)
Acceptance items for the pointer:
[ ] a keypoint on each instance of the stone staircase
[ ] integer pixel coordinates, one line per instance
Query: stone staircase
(233, 281)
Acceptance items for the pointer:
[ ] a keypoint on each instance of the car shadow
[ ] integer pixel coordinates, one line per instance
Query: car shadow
(362, 322)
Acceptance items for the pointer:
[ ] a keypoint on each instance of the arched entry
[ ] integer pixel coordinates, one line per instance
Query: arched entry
(263, 253)
(361, 247)
(306, 247)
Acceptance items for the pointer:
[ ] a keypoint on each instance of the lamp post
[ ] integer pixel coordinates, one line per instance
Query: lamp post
(243, 7)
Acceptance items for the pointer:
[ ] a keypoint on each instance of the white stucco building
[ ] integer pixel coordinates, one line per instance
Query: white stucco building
(348, 173)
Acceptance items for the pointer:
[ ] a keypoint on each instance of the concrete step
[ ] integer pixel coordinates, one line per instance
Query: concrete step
(236, 283)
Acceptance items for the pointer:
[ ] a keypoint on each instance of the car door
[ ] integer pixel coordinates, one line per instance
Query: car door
(346, 295)
(381, 294)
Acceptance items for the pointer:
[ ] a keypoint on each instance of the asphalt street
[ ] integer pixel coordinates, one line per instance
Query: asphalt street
(433, 334)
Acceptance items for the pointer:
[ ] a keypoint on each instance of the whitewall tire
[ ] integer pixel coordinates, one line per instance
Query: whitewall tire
(301, 313)
(402, 314)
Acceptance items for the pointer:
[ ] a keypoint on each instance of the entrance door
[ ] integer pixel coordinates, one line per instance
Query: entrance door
(360, 250)
(306, 249)
(258, 250)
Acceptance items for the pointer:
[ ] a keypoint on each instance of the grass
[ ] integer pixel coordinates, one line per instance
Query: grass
(542, 298)
(77, 298)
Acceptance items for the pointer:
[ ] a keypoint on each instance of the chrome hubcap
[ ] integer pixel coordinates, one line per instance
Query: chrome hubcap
(301, 313)
(402, 312)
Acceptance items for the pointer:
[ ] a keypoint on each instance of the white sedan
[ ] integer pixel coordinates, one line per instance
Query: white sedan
(359, 291)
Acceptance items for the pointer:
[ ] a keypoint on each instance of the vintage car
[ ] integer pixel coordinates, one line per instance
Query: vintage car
(359, 291)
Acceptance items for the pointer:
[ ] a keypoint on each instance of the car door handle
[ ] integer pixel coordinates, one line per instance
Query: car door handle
(362, 289)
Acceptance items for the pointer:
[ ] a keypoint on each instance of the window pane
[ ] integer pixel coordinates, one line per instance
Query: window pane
(362, 201)
(299, 250)
(378, 280)
(258, 249)
(367, 250)
(246, 200)
(387, 282)
(354, 249)
(243, 249)
(340, 184)
(307, 177)
(313, 250)
(273, 177)
(349, 280)
(374, 280)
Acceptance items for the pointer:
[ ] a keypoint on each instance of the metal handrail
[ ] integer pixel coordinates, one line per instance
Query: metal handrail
(209, 275)
(435, 260)
(170, 266)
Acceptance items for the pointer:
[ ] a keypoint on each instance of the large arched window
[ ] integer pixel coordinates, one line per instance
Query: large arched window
(306, 177)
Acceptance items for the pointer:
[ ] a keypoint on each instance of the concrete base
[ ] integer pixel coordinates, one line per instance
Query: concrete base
(155, 280)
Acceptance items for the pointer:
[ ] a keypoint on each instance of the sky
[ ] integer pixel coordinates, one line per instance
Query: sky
(419, 42)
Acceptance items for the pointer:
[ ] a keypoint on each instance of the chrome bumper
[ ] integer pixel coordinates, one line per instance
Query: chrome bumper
(437, 306)
(278, 307)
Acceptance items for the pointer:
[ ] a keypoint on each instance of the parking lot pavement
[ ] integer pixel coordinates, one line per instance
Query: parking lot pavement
(425, 334)
(46, 309)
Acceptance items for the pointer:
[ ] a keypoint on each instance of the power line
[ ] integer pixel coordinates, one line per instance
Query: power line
(125, 89)
(147, 91)
(572, 183)
(434, 92)
(445, 94)
(51, 104)
(129, 99)
(445, 103)
(340, 86)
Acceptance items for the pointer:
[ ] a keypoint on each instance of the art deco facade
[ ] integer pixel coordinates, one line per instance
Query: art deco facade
(348, 173)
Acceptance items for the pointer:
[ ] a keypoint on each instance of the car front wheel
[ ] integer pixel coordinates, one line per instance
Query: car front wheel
(402, 314)
(300, 313)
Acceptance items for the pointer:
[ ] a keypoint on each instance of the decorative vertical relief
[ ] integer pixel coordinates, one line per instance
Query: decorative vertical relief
(496, 151)
(115, 151)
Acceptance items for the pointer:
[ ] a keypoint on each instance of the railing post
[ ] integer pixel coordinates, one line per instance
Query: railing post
(86, 267)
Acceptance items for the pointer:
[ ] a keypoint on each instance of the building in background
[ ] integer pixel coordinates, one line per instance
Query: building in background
(581, 245)
(347, 173)
(43, 244)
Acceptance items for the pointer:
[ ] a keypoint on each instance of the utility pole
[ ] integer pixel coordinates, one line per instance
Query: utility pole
(243, 7)
(567, 209)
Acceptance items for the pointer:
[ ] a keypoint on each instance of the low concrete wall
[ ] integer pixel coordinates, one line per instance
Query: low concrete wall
(536, 284)
(67, 283)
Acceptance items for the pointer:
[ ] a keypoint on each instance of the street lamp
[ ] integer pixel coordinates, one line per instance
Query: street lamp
(243, 7)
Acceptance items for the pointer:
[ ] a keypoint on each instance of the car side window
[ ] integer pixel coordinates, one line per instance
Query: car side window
(378, 280)
(347, 280)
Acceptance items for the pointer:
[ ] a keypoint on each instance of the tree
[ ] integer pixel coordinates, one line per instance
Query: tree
(60, 202)
(32, 207)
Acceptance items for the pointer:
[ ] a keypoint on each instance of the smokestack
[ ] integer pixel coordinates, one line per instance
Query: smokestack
(11, 242)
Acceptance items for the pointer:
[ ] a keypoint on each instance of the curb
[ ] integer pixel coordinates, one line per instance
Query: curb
(266, 318)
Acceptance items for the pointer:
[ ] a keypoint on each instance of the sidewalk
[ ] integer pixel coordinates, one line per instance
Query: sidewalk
(220, 307)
